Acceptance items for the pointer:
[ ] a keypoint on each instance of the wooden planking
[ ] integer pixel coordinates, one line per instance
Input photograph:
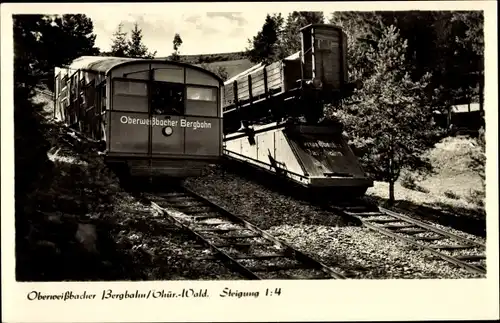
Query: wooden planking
(274, 82)
(328, 56)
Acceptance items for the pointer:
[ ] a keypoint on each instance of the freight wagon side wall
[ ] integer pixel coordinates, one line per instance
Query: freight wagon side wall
(254, 84)
(325, 49)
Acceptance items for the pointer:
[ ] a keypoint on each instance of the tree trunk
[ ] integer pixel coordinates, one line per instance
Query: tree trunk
(391, 193)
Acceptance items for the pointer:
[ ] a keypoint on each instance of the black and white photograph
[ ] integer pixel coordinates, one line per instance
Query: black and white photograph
(291, 143)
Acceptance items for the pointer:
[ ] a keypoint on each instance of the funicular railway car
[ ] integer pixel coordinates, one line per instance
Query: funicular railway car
(274, 120)
(155, 117)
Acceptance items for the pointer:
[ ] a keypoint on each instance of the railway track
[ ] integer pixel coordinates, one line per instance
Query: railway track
(448, 246)
(238, 243)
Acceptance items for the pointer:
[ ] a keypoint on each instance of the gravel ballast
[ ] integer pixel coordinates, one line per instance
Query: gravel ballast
(263, 207)
(357, 252)
(360, 253)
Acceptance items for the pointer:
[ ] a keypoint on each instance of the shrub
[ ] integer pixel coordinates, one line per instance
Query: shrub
(449, 194)
(476, 197)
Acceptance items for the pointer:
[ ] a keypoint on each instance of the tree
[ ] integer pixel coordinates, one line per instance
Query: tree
(362, 29)
(119, 46)
(38, 49)
(177, 44)
(136, 48)
(391, 122)
(41, 42)
(444, 43)
(265, 46)
(290, 36)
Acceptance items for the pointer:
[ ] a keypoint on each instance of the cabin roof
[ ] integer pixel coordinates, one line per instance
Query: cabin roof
(101, 64)
(104, 64)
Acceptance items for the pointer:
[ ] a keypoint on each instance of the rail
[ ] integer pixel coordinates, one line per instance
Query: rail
(290, 259)
(379, 219)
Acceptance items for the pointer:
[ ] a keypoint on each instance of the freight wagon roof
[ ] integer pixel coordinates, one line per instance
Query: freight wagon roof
(104, 64)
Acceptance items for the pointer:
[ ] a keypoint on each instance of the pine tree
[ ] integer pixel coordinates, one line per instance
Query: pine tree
(177, 44)
(290, 37)
(136, 47)
(391, 122)
(120, 46)
(265, 46)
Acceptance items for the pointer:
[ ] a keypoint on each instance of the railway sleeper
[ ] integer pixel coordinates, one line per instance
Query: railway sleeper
(453, 246)
(383, 220)
(430, 238)
(415, 231)
(173, 194)
(180, 205)
(241, 257)
(363, 214)
(214, 215)
(209, 229)
(471, 257)
(397, 226)
(308, 277)
(240, 236)
(279, 267)
(216, 223)
(194, 211)
(244, 244)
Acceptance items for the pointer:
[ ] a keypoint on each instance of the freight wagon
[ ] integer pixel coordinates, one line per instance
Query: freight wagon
(274, 120)
(155, 117)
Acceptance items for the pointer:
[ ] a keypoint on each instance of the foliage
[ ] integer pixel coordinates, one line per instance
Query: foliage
(447, 44)
(119, 45)
(391, 122)
(478, 165)
(363, 29)
(136, 48)
(38, 49)
(122, 46)
(279, 39)
(290, 36)
(177, 44)
(265, 46)
(451, 195)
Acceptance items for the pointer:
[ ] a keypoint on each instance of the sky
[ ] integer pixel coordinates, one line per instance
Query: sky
(201, 33)
(207, 27)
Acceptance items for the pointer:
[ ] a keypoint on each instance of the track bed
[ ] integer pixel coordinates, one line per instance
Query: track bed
(241, 245)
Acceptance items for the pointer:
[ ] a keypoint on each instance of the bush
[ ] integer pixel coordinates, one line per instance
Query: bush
(408, 181)
(451, 195)
(476, 197)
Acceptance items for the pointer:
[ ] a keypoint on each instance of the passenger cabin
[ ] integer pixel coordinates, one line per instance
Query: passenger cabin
(147, 111)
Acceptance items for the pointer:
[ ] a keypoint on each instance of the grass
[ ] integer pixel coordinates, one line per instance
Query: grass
(233, 67)
(451, 195)
(452, 182)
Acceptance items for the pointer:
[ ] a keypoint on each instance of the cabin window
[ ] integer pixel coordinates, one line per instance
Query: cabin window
(167, 98)
(90, 94)
(201, 101)
(130, 88)
(201, 94)
(64, 81)
(57, 84)
(130, 96)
